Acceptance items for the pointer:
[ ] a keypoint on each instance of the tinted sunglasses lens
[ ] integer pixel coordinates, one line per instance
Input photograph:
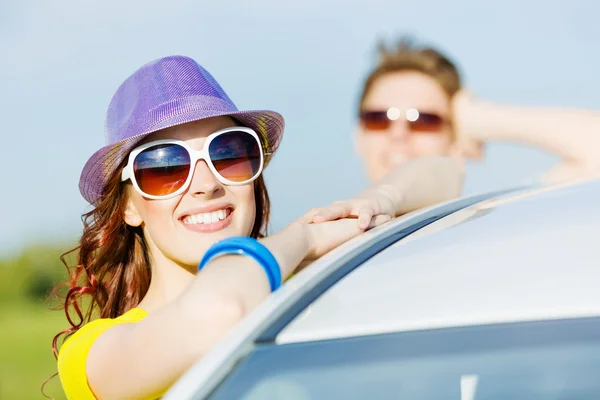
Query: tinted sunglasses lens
(235, 155)
(427, 122)
(375, 120)
(162, 169)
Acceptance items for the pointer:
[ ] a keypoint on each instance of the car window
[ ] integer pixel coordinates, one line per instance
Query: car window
(541, 360)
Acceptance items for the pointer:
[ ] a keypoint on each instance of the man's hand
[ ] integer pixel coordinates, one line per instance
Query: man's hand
(464, 105)
(415, 184)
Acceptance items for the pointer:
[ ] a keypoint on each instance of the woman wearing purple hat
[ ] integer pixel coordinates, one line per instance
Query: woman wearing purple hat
(177, 190)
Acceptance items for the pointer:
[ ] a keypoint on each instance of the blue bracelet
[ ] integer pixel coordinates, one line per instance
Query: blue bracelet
(246, 246)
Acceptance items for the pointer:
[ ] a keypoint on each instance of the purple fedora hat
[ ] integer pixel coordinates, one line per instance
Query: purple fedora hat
(166, 92)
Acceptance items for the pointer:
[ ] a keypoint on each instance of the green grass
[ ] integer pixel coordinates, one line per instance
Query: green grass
(26, 359)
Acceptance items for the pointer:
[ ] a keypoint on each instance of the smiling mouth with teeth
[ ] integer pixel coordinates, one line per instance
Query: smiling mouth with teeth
(207, 218)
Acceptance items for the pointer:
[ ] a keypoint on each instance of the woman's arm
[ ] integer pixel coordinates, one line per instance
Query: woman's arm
(143, 359)
(571, 134)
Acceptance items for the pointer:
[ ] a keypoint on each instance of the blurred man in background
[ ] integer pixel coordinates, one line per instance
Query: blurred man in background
(413, 104)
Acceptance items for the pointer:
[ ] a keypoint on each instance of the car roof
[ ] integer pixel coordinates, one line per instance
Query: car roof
(455, 242)
(530, 256)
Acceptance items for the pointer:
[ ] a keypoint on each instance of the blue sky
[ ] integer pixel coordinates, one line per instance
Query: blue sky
(63, 59)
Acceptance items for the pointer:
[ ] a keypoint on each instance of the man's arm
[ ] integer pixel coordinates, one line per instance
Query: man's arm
(573, 135)
(415, 184)
(420, 183)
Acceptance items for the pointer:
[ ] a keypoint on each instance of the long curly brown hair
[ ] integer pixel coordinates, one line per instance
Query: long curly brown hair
(112, 273)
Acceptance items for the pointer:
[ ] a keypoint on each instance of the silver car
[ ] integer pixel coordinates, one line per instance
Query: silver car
(495, 296)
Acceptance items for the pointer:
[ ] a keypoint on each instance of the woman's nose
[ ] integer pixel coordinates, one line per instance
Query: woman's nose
(204, 181)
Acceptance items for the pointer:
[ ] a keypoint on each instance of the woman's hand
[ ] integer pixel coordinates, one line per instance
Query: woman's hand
(324, 237)
(369, 204)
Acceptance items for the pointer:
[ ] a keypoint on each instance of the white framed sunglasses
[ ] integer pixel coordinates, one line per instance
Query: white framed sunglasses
(164, 168)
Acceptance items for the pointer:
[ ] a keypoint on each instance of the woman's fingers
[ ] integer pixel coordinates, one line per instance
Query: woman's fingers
(323, 214)
(309, 216)
(362, 209)
(331, 213)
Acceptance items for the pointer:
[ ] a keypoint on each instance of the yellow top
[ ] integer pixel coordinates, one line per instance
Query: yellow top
(73, 353)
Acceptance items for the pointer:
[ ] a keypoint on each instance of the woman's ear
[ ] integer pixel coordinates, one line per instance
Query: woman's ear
(131, 216)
